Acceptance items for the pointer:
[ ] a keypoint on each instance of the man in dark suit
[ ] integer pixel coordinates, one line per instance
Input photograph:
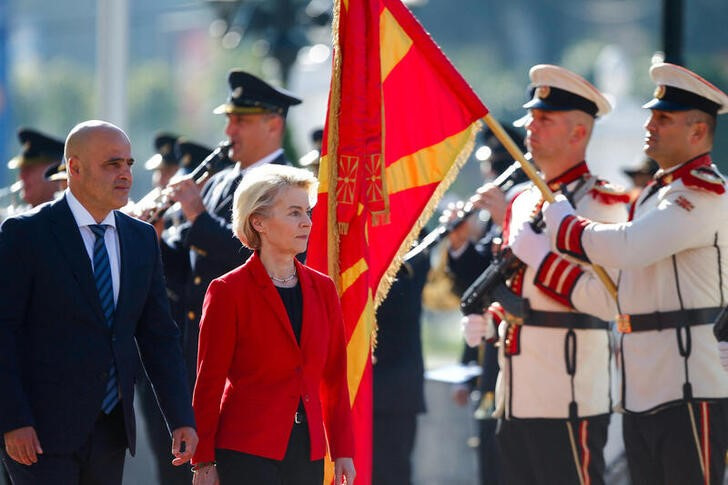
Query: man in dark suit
(256, 114)
(83, 299)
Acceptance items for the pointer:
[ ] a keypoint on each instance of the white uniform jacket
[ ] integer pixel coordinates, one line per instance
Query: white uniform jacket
(673, 257)
(534, 373)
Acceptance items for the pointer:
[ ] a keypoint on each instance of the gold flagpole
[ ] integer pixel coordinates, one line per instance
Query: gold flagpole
(546, 193)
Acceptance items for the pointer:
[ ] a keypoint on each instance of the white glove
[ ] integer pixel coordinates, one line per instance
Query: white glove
(723, 352)
(554, 212)
(529, 246)
(477, 327)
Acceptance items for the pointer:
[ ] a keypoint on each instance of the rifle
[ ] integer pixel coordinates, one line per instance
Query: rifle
(490, 286)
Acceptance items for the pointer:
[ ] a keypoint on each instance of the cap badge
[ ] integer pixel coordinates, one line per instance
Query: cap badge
(659, 92)
(543, 92)
(237, 92)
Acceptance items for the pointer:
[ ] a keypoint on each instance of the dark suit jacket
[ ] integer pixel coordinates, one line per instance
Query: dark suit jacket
(208, 249)
(253, 373)
(55, 346)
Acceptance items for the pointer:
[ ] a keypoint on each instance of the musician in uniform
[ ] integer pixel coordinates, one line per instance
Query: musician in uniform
(40, 151)
(554, 386)
(173, 154)
(672, 284)
(398, 374)
(165, 162)
(204, 243)
(466, 260)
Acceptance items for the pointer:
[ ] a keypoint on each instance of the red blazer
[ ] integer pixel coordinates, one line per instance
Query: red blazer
(251, 372)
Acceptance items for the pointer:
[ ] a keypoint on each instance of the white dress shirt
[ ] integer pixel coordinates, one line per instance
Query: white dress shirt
(111, 238)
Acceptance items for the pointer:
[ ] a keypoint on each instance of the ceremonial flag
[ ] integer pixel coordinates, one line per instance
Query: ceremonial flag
(401, 121)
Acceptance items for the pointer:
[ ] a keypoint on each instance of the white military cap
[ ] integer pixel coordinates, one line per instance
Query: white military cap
(679, 89)
(558, 89)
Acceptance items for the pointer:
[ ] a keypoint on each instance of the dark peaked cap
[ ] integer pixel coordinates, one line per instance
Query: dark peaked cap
(38, 148)
(190, 154)
(250, 94)
(164, 145)
(57, 171)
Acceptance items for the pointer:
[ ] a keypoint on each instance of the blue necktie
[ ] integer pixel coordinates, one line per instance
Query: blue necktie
(102, 275)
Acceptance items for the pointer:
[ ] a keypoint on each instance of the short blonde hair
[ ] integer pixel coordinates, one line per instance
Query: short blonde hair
(257, 192)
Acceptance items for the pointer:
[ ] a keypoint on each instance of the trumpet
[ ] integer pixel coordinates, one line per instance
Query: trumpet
(11, 190)
(504, 181)
(159, 199)
(11, 195)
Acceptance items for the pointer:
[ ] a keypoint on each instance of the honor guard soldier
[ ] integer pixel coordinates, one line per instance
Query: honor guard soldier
(204, 243)
(554, 385)
(164, 163)
(672, 285)
(39, 152)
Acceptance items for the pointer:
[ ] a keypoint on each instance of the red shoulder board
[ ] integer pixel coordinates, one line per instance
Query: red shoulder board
(704, 178)
(608, 194)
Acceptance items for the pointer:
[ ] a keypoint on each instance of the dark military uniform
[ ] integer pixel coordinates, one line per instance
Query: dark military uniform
(465, 269)
(399, 374)
(206, 249)
(172, 151)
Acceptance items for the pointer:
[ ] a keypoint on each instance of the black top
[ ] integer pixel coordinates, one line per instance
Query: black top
(293, 301)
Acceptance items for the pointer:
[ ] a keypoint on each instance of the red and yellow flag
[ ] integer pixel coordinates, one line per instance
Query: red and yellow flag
(401, 122)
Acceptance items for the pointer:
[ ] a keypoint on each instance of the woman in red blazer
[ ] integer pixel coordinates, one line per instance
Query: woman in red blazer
(271, 389)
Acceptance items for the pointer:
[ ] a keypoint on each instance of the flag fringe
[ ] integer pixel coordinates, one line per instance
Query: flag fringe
(333, 152)
(388, 278)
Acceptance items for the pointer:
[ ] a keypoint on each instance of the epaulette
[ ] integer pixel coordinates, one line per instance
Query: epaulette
(704, 178)
(608, 194)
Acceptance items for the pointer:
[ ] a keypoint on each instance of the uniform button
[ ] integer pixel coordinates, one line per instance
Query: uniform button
(191, 315)
(113, 338)
(306, 398)
(197, 280)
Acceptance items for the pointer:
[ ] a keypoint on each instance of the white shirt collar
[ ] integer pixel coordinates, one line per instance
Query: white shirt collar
(266, 159)
(84, 217)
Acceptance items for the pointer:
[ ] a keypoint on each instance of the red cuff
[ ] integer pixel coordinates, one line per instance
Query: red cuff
(498, 314)
(557, 278)
(568, 237)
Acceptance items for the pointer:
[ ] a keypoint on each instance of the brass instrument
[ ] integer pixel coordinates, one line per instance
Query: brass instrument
(159, 198)
(10, 200)
(504, 181)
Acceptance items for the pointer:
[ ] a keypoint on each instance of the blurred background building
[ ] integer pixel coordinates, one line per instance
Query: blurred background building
(161, 65)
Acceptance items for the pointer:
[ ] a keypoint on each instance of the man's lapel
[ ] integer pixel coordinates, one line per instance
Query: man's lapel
(126, 249)
(65, 230)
